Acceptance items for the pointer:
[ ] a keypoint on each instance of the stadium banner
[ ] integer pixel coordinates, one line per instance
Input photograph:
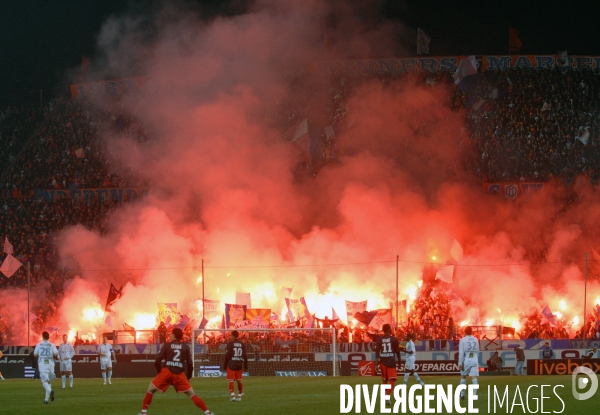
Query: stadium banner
(107, 88)
(294, 373)
(120, 194)
(508, 356)
(428, 367)
(167, 313)
(259, 317)
(353, 307)
(563, 348)
(511, 190)
(450, 64)
(212, 308)
(234, 313)
(561, 366)
(297, 308)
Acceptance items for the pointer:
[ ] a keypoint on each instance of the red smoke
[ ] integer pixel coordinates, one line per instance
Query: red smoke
(223, 188)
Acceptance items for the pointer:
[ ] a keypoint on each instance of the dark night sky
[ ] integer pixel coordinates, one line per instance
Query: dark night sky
(40, 40)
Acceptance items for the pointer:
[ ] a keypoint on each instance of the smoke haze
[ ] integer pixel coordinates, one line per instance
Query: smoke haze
(223, 189)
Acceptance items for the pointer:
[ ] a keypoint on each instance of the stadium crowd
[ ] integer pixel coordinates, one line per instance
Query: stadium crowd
(525, 124)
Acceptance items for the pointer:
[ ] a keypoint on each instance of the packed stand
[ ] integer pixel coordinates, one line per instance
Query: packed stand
(65, 152)
(534, 124)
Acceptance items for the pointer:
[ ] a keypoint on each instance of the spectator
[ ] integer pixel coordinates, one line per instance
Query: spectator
(494, 363)
(547, 352)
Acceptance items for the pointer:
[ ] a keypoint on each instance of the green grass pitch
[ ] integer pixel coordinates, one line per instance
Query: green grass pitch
(263, 395)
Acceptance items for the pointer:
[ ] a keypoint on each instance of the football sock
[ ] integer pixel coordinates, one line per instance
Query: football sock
(389, 391)
(71, 380)
(146, 402)
(240, 387)
(462, 392)
(418, 379)
(231, 390)
(406, 376)
(474, 382)
(48, 388)
(199, 403)
(64, 380)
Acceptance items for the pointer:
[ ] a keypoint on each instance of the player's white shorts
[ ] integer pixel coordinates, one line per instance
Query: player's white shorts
(470, 368)
(105, 363)
(46, 372)
(409, 364)
(66, 366)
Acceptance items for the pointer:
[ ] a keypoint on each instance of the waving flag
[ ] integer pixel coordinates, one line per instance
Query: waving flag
(445, 274)
(383, 316)
(113, 295)
(514, 41)
(551, 318)
(297, 308)
(467, 70)
(243, 298)
(185, 320)
(32, 317)
(422, 42)
(353, 307)
(365, 317)
(8, 248)
(52, 329)
(562, 59)
(10, 266)
(456, 252)
(129, 329)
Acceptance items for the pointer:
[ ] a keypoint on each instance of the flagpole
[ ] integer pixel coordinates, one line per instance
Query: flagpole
(28, 300)
(202, 289)
(585, 301)
(397, 260)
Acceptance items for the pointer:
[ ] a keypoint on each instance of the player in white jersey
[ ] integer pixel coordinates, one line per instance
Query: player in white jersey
(66, 351)
(107, 358)
(468, 359)
(411, 358)
(46, 354)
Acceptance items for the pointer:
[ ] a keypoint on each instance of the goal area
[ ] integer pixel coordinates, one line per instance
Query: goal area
(286, 352)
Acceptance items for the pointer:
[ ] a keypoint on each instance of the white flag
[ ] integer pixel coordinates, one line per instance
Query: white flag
(584, 137)
(562, 59)
(32, 317)
(286, 292)
(243, 299)
(422, 42)
(456, 251)
(547, 106)
(8, 248)
(478, 104)
(466, 67)
(445, 274)
(10, 266)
